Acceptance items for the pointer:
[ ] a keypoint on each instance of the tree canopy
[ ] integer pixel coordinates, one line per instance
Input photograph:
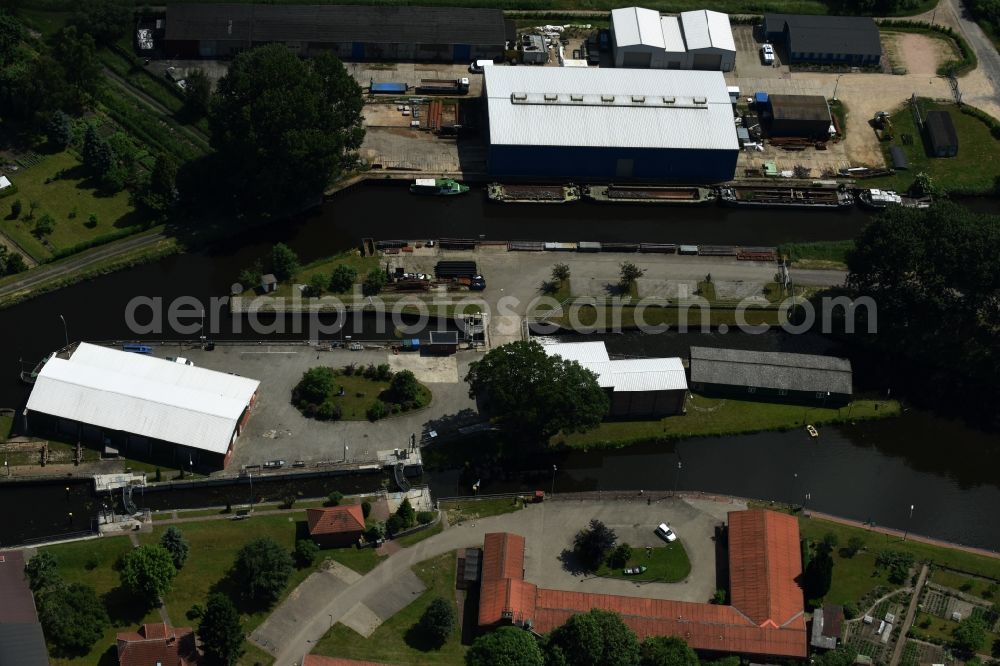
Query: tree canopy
(105, 20)
(594, 638)
(174, 542)
(284, 127)
(666, 651)
(73, 618)
(593, 545)
(970, 635)
(220, 631)
(935, 277)
(147, 572)
(507, 646)
(438, 622)
(41, 571)
(342, 278)
(10, 36)
(262, 569)
(284, 262)
(534, 395)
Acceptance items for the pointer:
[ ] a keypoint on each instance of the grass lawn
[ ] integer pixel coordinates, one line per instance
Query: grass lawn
(823, 254)
(462, 510)
(970, 585)
(417, 537)
(6, 423)
(712, 416)
(363, 265)
(973, 171)
(72, 194)
(667, 564)
(361, 560)
(396, 641)
(560, 291)
(360, 393)
(92, 563)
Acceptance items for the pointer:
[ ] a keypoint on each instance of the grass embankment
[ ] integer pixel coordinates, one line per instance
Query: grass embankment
(822, 254)
(974, 170)
(6, 423)
(724, 416)
(70, 199)
(667, 564)
(474, 509)
(362, 265)
(398, 641)
(856, 577)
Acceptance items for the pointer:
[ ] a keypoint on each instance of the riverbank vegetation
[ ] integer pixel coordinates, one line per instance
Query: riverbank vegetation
(712, 416)
(821, 254)
(354, 393)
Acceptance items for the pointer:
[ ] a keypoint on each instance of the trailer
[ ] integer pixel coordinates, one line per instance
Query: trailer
(388, 88)
(443, 86)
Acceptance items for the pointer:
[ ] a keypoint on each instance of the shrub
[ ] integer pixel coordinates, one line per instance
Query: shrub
(394, 525)
(376, 411)
(174, 542)
(425, 517)
(305, 552)
(374, 531)
(262, 570)
(333, 499)
(315, 386)
(383, 372)
(404, 388)
(342, 278)
(44, 225)
(329, 411)
(620, 556)
(406, 513)
(898, 564)
(437, 622)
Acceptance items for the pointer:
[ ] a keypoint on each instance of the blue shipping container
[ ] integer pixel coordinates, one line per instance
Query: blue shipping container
(389, 88)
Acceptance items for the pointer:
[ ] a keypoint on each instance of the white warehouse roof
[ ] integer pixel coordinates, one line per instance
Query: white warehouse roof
(705, 29)
(143, 395)
(640, 374)
(609, 108)
(636, 26)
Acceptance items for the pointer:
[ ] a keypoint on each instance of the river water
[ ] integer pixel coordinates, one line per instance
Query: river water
(872, 470)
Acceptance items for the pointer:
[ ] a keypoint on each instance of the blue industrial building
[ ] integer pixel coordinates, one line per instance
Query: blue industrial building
(620, 124)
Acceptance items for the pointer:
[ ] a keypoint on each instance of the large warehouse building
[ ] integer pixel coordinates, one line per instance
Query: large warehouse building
(827, 40)
(638, 387)
(143, 407)
(441, 34)
(703, 39)
(610, 123)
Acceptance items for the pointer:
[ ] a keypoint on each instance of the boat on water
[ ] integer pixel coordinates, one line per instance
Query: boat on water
(438, 187)
(533, 193)
(648, 194)
(29, 377)
(785, 197)
(876, 199)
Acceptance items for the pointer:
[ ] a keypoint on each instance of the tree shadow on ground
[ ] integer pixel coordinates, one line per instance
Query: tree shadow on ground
(110, 657)
(572, 563)
(123, 607)
(470, 615)
(618, 289)
(417, 639)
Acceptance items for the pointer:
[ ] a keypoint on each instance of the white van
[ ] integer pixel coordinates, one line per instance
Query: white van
(478, 66)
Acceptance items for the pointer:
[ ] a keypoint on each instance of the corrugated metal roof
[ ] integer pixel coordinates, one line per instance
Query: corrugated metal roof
(577, 351)
(706, 29)
(635, 26)
(328, 24)
(619, 108)
(673, 39)
(638, 374)
(143, 395)
(23, 645)
(777, 370)
(18, 605)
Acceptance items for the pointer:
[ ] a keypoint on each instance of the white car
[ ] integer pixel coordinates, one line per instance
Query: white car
(767, 53)
(664, 532)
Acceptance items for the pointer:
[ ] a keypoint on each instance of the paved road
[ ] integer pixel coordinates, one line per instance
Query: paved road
(989, 59)
(78, 262)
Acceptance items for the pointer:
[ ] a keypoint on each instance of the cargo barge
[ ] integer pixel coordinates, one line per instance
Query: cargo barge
(785, 197)
(533, 193)
(647, 194)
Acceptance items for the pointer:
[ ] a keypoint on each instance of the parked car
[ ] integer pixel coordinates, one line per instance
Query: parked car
(179, 359)
(664, 532)
(767, 53)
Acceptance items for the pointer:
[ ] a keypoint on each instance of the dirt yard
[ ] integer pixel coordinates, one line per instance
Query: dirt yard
(920, 55)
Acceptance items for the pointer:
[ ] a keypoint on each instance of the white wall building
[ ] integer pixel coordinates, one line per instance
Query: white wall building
(702, 39)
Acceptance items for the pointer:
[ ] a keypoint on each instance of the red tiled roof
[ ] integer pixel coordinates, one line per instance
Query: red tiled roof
(335, 520)
(317, 660)
(765, 563)
(766, 617)
(18, 605)
(503, 556)
(156, 644)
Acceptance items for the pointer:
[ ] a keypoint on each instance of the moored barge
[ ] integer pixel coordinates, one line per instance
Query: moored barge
(648, 194)
(517, 193)
(785, 197)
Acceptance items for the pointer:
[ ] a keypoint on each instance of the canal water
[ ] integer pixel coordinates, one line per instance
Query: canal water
(871, 470)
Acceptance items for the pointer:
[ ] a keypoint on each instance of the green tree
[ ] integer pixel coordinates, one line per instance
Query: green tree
(106, 20)
(44, 225)
(855, 545)
(374, 282)
(284, 262)
(970, 635)
(593, 544)
(262, 569)
(533, 395)
(595, 638)
(314, 387)
(11, 262)
(159, 192)
(284, 127)
(394, 525)
(629, 273)
(250, 276)
(406, 513)
(437, 622)
(76, 53)
(844, 655)
(507, 646)
(342, 278)
(174, 542)
(334, 498)
(220, 631)
(197, 94)
(147, 572)
(10, 36)
(59, 129)
(306, 551)
(560, 272)
(317, 283)
(666, 651)
(42, 571)
(366, 508)
(404, 387)
(620, 556)
(73, 618)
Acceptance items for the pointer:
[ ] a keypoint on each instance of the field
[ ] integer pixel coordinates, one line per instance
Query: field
(462, 510)
(973, 171)
(325, 266)
(397, 641)
(668, 564)
(70, 199)
(711, 416)
(823, 254)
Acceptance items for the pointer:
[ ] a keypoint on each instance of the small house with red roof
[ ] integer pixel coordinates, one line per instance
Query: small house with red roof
(157, 643)
(336, 526)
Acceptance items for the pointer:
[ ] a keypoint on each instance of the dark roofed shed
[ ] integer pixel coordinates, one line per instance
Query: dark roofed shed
(941, 135)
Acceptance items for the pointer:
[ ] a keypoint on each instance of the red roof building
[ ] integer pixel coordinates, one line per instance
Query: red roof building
(157, 644)
(766, 617)
(336, 526)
